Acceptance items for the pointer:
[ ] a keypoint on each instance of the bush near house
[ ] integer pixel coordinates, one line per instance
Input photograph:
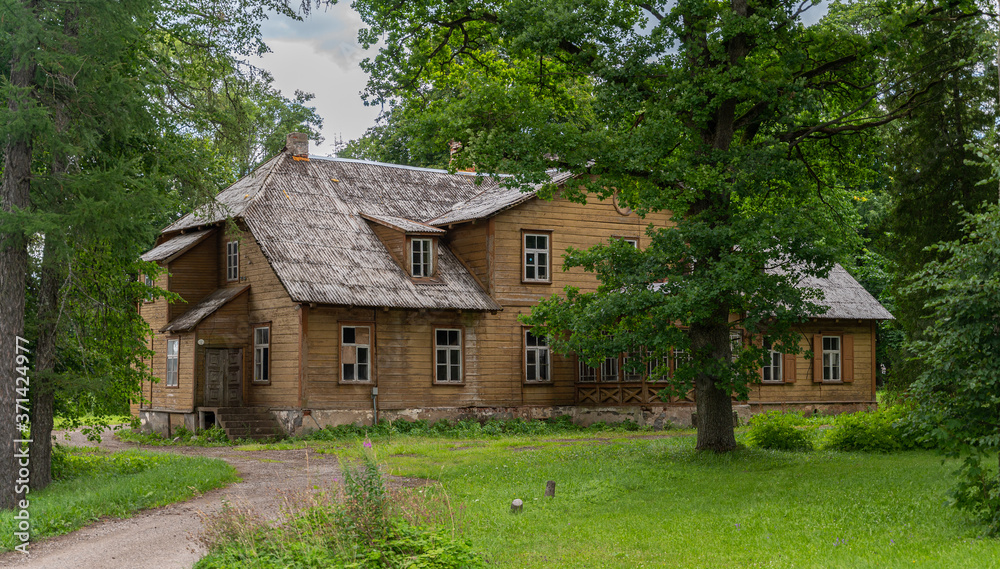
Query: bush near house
(778, 430)
(885, 430)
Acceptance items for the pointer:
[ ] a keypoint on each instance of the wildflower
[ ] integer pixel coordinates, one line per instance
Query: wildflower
(368, 444)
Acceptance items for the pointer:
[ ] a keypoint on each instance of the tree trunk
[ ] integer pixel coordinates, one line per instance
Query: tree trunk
(45, 351)
(14, 194)
(714, 404)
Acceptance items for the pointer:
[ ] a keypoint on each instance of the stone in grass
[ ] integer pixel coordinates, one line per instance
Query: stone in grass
(516, 505)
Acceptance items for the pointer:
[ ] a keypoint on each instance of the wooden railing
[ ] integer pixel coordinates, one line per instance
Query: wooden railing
(637, 393)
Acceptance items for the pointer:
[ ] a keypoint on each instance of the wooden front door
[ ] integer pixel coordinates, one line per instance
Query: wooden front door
(223, 377)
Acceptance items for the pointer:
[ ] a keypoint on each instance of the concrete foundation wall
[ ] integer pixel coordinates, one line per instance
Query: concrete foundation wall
(166, 422)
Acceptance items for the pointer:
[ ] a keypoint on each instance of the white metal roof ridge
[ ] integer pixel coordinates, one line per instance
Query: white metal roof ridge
(404, 167)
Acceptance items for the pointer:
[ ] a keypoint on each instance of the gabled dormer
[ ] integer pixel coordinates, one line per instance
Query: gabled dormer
(412, 244)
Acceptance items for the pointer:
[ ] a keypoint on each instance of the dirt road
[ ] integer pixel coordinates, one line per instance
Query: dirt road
(164, 538)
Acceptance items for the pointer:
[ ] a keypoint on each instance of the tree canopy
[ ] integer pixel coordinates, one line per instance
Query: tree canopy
(738, 118)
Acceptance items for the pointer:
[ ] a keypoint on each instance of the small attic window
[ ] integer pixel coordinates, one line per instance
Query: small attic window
(421, 257)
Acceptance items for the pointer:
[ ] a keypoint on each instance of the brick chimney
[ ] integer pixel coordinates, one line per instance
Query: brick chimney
(297, 144)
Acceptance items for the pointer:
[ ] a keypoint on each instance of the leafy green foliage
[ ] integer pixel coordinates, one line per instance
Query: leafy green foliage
(958, 391)
(778, 430)
(732, 116)
(884, 430)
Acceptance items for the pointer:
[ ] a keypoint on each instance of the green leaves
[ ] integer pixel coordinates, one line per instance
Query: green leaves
(958, 390)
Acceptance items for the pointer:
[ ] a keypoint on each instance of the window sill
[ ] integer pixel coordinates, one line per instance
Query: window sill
(524, 282)
(343, 382)
(268, 382)
(546, 382)
(447, 383)
(777, 383)
(837, 382)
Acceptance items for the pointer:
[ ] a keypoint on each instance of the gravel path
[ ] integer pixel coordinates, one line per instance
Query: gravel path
(165, 538)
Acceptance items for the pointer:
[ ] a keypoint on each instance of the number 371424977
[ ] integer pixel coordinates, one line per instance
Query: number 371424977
(22, 381)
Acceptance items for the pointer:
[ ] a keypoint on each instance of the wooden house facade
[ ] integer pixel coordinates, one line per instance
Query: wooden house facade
(327, 291)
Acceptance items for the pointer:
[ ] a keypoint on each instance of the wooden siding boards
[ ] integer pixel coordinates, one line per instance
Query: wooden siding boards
(315, 242)
(267, 301)
(189, 276)
(804, 389)
(175, 246)
(227, 327)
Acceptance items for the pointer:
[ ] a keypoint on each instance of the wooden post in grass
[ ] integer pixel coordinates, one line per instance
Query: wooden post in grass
(550, 488)
(515, 506)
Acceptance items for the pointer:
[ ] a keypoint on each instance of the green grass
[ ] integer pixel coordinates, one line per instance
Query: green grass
(62, 423)
(128, 481)
(630, 502)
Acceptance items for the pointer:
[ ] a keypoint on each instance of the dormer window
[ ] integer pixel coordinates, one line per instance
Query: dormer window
(233, 261)
(421, 257)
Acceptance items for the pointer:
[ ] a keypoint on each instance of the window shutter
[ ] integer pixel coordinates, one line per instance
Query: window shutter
(817, 358)
(847, 348)
(788, 368)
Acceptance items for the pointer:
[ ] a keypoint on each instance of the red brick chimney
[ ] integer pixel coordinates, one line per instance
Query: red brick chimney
(297, 144)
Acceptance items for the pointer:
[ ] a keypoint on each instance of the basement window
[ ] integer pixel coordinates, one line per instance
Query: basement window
(355, 354)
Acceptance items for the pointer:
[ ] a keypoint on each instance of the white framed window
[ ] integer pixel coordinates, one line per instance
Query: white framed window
(262, 354)
(609, 370)
(355, 354)
(735, 344)
(536, 257)
(173, 348)
(148, 281)
(421, 257)
(772, 364)
(233, 261)
(652, 365)
(448, 355)
(831, 358)
(585, 373)
(629, 359)
(537, 364)
(632, 241)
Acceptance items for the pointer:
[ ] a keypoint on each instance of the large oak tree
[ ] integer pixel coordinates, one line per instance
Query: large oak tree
(735, 116)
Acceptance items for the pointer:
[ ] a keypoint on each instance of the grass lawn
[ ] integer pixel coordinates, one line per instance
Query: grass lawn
(625, 501)
(115, 485)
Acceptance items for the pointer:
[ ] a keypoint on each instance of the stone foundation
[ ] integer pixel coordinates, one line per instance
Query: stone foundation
(656, 417)
(297, 421)
(166, 422)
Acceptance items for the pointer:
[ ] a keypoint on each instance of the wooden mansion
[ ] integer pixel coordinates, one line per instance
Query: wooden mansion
(321, 291)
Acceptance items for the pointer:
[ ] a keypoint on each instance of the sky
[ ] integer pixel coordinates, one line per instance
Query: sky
(321, 55)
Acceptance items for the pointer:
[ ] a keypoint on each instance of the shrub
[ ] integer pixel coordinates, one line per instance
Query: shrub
(370, 527)
(885, 430)
(778, 430)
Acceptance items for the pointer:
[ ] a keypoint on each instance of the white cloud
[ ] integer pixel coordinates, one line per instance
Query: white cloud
(321, 55)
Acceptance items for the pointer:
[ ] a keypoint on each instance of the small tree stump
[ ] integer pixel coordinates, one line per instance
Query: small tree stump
(515, 506)
(550, 488)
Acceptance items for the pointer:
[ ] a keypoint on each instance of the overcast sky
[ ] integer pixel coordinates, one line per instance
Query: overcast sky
(320, 55)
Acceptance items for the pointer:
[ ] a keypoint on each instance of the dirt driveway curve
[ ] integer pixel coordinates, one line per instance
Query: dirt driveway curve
(164, 538)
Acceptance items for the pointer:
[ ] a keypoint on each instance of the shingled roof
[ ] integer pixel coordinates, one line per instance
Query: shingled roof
(308, 216)
(844, 297)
